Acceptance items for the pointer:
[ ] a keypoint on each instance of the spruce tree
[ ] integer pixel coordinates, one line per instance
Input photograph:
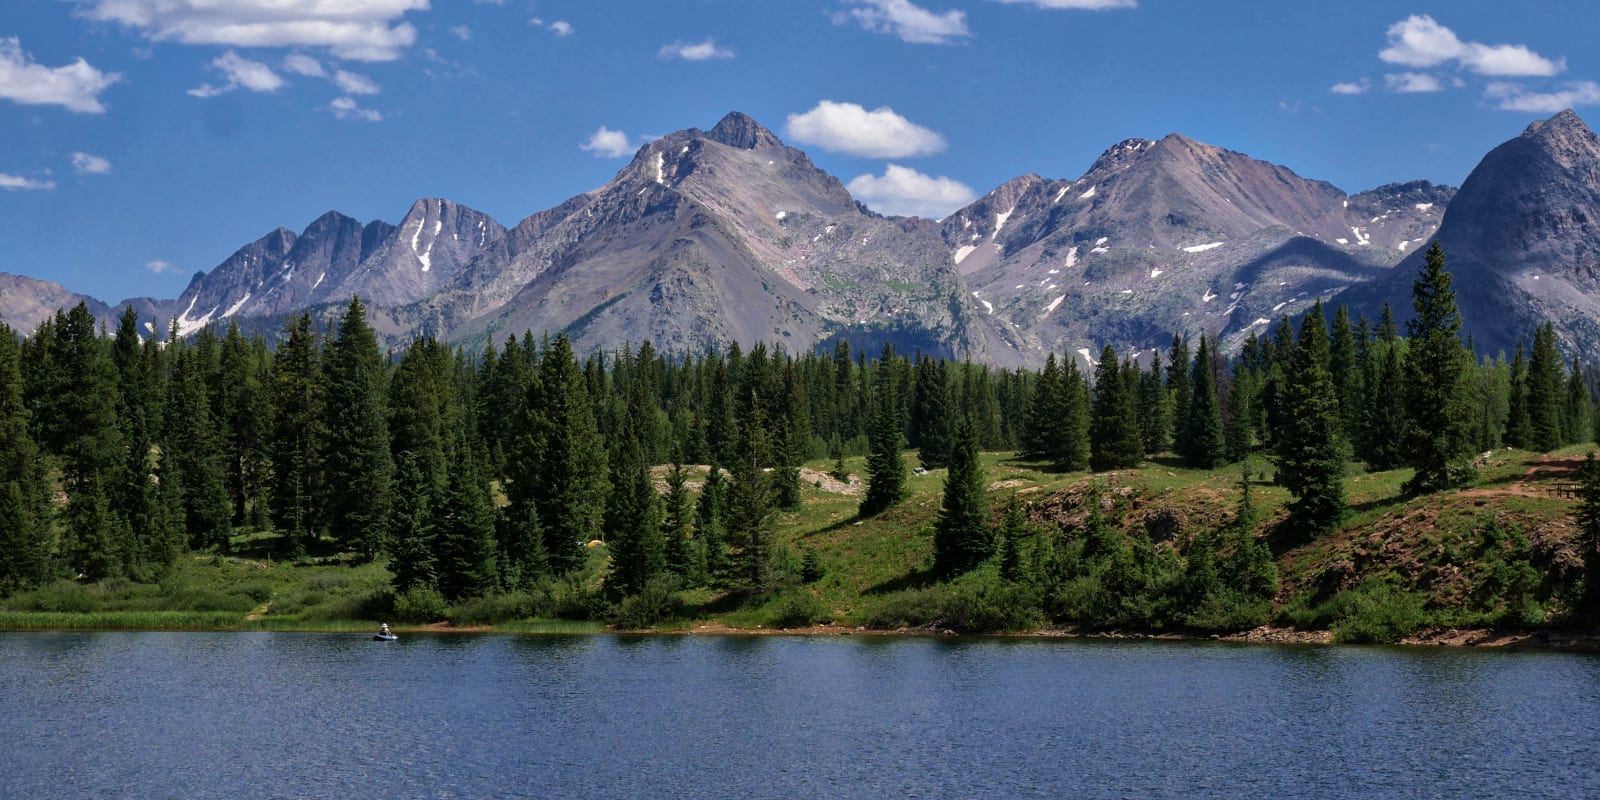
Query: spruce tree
(937, 414)
(1519, 423)
(1045, 412)
(1014, 530)
(1578, 408)
(356, 457)
(962, 536)
(25, 540)
(1587, 516)
(633, 525)
(749, 515)
(298, 395)
(1203, 439)
(1154, 422)
(568, 484)
(1113, 426)
(1311, 452)
(1547, 397)
(464, 532)
(886, 471)
(1439, 434)
(1179, 371)
(412, 558)
(710, 529)
(1070, 442)
(677, 524)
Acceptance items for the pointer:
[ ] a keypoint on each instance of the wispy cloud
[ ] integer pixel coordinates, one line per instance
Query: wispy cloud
(239, 72)
(1420, 41)
(695, 51)
(75, 87)
(346, 108)
(159, 266)
(462, 32)
(86, 164)
(849, 128)
(1085, 5)
(908, 21)
(358, 30)
(17, 183)
(1514, 97)
(1412, 83)
(561, 28)
(903, 191)
(1352, 87)
(353, 83)
(607, 143)
(302, 64)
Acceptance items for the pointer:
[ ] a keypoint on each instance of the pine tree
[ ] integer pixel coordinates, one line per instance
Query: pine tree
(298, 397)
(1113, 426)
(1045, 412)
(633, 526)
(1546, 391)
(1587, 515)
(1439, 435)
(25, 541)
(1519, 423)
(192, 445)
(1311, 452)
(886, 472)
(1578, 407)
(1202, 439)
(1013, 569)
(793, 436)
(677, 524)
(411, 530)
(1154, 422)
(464, 532)
(749, 515)
(568, 484)
(1179, 370)
(1070, 444)
(710, 529)
(1238, 432)
(937, 440)
(356, 458)
(962, 537)
(244, 417)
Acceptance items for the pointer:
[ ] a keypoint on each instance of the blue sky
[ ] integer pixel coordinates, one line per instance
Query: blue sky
(144, 140)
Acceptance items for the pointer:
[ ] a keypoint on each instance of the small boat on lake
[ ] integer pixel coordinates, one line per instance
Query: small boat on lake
(384, 637)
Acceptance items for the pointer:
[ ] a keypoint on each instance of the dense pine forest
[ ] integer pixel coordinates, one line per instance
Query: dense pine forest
(503, 472)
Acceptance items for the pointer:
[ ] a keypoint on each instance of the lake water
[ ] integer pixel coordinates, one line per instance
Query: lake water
(255, 715)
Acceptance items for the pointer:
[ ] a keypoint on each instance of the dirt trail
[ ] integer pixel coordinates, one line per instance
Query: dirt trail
(1538, 480)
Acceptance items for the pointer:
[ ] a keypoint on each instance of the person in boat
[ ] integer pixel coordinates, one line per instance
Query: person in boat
(383, 629)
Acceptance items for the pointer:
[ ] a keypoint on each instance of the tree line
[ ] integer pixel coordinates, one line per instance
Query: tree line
(473, 472)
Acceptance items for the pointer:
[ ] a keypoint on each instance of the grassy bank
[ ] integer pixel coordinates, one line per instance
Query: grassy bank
(1500, 556)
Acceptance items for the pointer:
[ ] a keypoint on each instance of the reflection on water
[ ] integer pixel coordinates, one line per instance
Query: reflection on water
(318, 715)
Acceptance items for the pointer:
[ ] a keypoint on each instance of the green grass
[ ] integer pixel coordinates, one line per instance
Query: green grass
(1427, 550)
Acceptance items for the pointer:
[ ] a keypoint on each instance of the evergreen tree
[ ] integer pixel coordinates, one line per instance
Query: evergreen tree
(1578, 407)
(793, 436)
(886, 472)
(1344, 370)
(677, 524)
(193, 447)
(1384, 431)
(1154, 423)
(710, 529)
(244, 419)
(1519, 423)
(1202, 439)
(1045, 412)
(1588, 518)
(1013, 568)
(633, 526)
(1238, 433)
(749, 515)
(1179, 371)
(1547, 397)
(464, 532)
(1311, 452)
(298, 415)
(568, 485)
(25, 540)
(356, 458)
(1114, 426)
(937, 440)
(411, 533)
(1439, 434)
(1070, 443)
(962, 536)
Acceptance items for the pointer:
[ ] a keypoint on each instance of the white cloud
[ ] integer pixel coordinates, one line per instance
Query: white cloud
(695, 51)
(12, 183)
(462, 32)
(1420, 41)
(560, 27)
(75, 87)
(1412, 83)
(1352, 87)
(849, 128)
(902, 191)
(302, 64)
(359, 30)
(159, 266)
(908, 21)
(241, 72)
(1087, 5)
(607, 143)
(1513, 97)
(353, 83)
(347, 109)
(86, 164)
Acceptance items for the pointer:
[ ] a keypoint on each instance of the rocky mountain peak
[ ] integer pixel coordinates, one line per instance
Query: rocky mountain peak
(1121, 155)
(1567, 140)
(740, 130)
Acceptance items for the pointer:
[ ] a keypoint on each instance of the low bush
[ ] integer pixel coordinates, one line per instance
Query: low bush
(656, 602)
(796, 609)
(420, 604)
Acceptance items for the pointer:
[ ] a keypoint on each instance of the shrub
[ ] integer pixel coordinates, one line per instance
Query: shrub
(1375, 611)
(420, 604)
(63, 596)
(1228, 610)
(656, 602)
(796, 610)
(487, 610)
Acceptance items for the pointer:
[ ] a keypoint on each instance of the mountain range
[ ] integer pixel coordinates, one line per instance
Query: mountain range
(707, 237)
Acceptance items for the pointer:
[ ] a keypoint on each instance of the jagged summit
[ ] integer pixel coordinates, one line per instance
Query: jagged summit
(742, 131)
